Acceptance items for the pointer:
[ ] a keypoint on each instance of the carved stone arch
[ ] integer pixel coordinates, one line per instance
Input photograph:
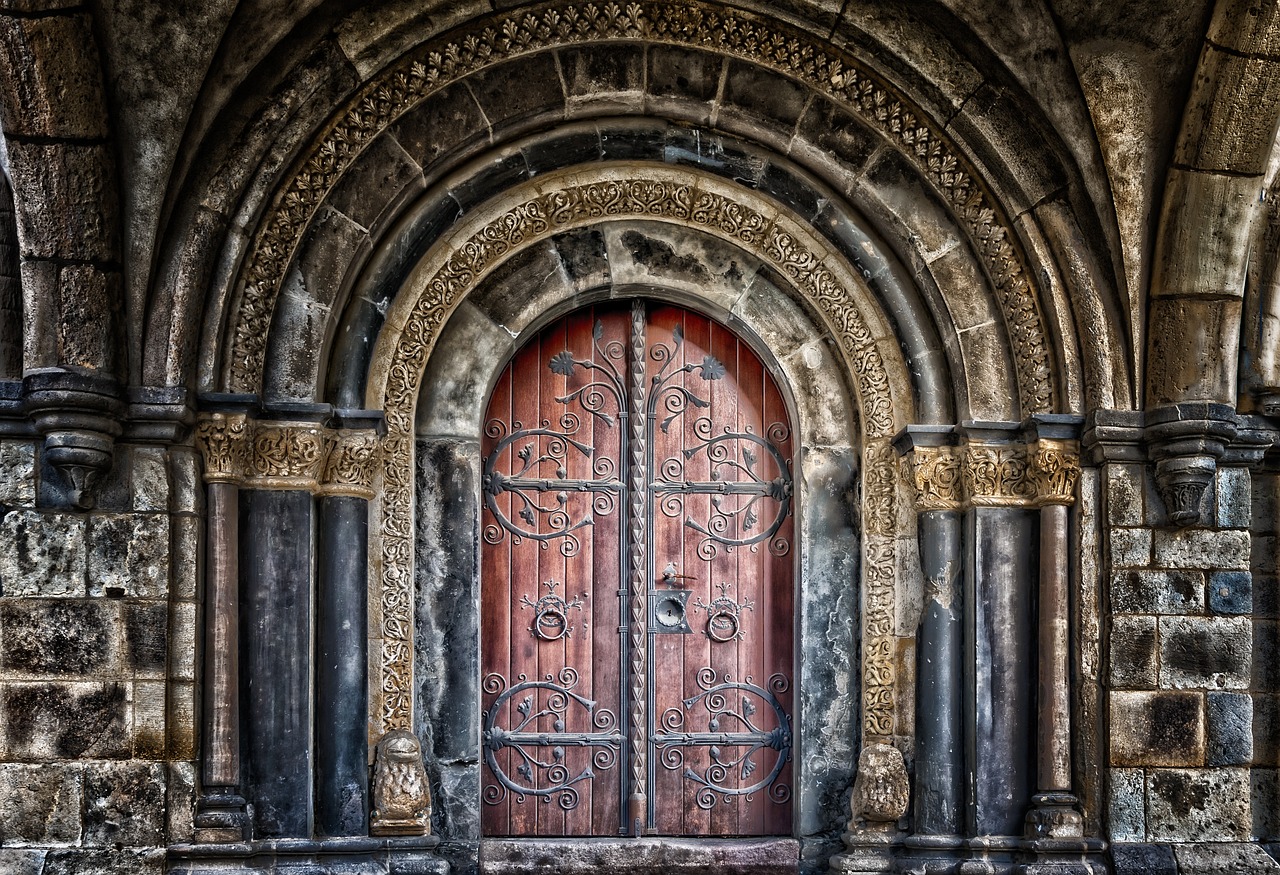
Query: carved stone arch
(840, 77)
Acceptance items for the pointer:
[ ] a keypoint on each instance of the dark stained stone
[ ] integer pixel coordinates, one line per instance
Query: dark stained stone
(1157, 592)
(1135, 659)
(518, 90)
(661, 258)
(675, 72)
(580, 147)
(124, 804)
(1266, 656)
(41, 803)
(593, 70)
(58, 637)
(1213, 652)
(443, 122)
(1137, 859)
(765, 96)
(1230, 729)
(64, 720)
(1231, 592)
(1163, 728)
(146, 630)
(838, 132)
(115, 861)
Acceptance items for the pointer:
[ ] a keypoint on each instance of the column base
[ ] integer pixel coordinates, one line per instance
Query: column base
(868, 851)
(1054, 816)
(221, 816)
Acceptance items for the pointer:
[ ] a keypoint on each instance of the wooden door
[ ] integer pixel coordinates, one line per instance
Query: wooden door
(637, 624)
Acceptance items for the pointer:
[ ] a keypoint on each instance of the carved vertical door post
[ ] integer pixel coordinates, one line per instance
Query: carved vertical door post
(220, 813)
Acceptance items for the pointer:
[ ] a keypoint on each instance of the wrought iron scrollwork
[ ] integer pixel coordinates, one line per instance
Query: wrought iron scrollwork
(539, 739)
(733, 737)
(724, 621)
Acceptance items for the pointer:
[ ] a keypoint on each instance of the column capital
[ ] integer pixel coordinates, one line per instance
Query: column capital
(984, 474)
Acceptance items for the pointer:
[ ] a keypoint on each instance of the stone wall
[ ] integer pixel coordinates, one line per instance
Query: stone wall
(1189, 691)
(97, 663)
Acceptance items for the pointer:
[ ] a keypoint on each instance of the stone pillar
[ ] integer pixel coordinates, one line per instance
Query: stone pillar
(220, 808)
(341, 730)
(939, 791)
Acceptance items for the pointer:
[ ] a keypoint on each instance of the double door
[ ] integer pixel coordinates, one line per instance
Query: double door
(637, 583)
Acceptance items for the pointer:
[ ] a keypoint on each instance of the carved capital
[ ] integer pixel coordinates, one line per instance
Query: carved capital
(935, 474)
(352, 461)
(288, 456)
(997, 476)
(224, 443)
(1054, 470)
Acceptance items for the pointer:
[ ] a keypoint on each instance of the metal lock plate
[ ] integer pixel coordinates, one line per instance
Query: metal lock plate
(670, 611)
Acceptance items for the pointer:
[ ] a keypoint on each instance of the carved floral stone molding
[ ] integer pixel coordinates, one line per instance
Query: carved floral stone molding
(274, 455)
(507, 35)
(985, 475)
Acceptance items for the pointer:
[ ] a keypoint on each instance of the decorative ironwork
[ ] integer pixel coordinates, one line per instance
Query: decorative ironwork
(551, 613)
(545, 775)
(732, 737)
(723, 615)
(671, 612)
(638, 565)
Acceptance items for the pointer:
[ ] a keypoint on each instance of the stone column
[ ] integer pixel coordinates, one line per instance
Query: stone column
(342, 713)
(939, 790)
(220, 809)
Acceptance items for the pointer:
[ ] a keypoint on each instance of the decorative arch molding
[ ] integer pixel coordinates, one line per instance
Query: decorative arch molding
(560, 202)
(734, 33)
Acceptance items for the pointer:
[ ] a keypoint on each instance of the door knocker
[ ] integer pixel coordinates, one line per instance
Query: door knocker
(551, 613)
(724, 615)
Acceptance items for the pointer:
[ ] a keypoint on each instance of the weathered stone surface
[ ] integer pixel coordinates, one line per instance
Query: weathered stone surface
(129, 555)
(1125, 495)
(1205, 652)
(61, 93)
(1198, 805)
(187, 556)
(1265, 795)
(72, 201)
(22, 862)
(150, 476)
(764, 98)
(148, 703)
(1234, 502)
(1127, 805)
(1230, 729)
(59, 637)
(180, 722)
(186, 489)
(180, 788)
(88, 297)
(520, 90)
(593, 74)
(1157, 729)
(1130, 548)
(666, 855)
(1134, 656)
(182, 641)
(881, 788)
(52, 721)
(124, 804)
(1201, 548)
(421, 132)
(1266, 649)
(1266, 595)
(42, 554)
(17, 474)
(146, 629)
(40, 803)
(1157, 592)
(115, 861)
(1138, 859)
(1231, 592)
(1223, 859)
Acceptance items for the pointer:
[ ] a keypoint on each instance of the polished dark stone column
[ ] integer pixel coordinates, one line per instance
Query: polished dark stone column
(276, 560)
(341, 730)
(999, 662)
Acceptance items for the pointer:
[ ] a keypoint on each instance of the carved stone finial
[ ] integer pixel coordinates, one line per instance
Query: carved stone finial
(79, 415)
(401, 797)
(1181, 483)
(880, 792)
(1186, 441)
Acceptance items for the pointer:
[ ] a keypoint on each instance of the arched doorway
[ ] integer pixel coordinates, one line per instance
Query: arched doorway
(637, 582)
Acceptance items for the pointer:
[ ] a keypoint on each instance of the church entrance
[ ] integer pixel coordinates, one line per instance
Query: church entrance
(637, 582)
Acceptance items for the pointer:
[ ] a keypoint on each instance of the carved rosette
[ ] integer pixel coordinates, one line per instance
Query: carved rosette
(224, 441)
(981, 475)
(353, 460)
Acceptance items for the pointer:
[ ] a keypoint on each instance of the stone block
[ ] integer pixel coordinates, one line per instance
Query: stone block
(451, 110)
(518, 90)
(1205, 652)
(1131, 548)
(182, 641)
(62, 94)
(180, 793)
(1198, 805)
(762, 96)
(129, 555)
(1266, 595)
(17, 474)
(1266, 661)
(1264, 550)
(73, 205)
(1230, 729)
(1157, 592)
(1127, 805)
(188, 556)
(1125, 495)
(124, 804)
(116, 861)
(1201, 548)
(59, 637)
(1235, 507)
(52, 721)
(24, 862)
(1264, 787)
(186, 491)
(42, 554)
(1157, 729)
(87, 299)
(1231, 592)
(181, 721)
(1134, 654)
(1224, 859)
(40, 803)
(149, 714)
(146, 633)
(1266, 730)
(1136, 859)
(150, 479)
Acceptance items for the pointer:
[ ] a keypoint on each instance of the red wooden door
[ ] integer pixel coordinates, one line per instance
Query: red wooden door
(637, 582)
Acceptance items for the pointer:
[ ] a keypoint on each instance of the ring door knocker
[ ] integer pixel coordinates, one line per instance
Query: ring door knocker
(724, 615)
(551, 613)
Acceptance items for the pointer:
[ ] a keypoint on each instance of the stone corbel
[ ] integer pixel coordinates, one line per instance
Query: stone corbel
(1185, 442)
(79, 415)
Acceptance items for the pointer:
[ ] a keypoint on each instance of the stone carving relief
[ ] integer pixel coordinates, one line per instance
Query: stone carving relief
(822, 66)
(981, 475)
(881, 790)
(401, 795)
(274, 455)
